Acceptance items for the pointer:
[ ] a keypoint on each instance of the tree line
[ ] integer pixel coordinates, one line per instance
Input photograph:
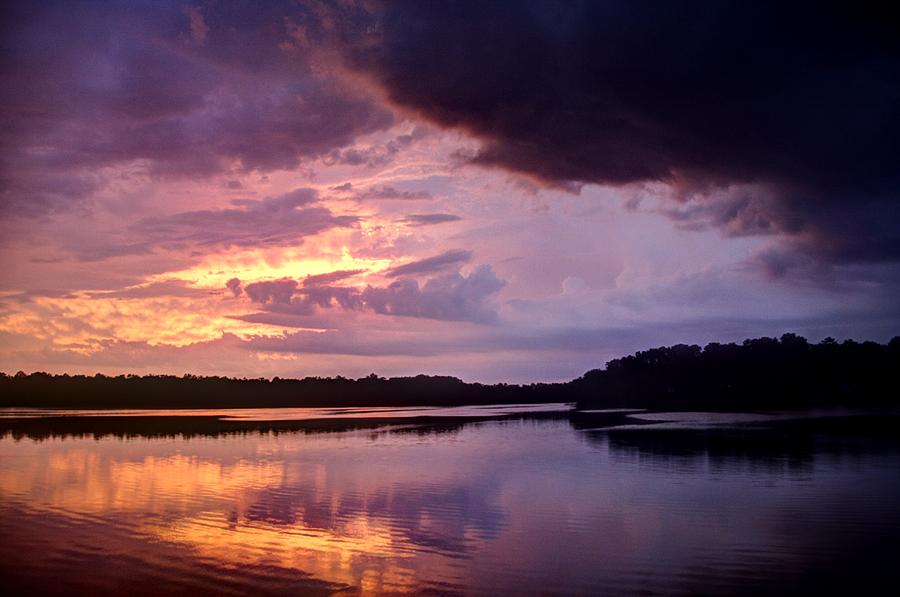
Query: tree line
(192, 391)
(761, 373)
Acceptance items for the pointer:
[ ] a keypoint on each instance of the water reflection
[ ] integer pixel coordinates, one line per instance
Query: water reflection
(513, 506)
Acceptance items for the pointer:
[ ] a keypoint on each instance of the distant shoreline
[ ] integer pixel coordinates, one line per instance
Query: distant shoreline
(758, 374)
(619, 424)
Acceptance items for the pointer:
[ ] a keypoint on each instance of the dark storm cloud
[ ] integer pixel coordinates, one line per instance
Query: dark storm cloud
(797, 99)
(429, 265)
(184, 90)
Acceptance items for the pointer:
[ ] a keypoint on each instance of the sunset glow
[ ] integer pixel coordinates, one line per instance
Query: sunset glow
(202, 188)
(449, 297)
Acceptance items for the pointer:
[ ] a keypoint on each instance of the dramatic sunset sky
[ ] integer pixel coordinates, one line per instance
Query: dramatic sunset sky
(498, 191)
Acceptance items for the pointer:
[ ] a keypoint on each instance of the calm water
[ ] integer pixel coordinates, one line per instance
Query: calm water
(516, 507)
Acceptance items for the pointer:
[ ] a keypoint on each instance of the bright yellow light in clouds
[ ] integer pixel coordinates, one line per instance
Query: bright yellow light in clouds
(83, 322)
(187, 306)
(251, 265)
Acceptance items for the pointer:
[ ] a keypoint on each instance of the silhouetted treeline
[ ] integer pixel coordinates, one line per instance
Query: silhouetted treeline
(763, 373)
(189, 391)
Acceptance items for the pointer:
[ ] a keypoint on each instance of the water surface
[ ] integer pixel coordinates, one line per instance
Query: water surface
(514, 506)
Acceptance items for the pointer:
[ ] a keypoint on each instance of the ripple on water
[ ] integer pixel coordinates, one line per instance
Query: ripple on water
(521, 507)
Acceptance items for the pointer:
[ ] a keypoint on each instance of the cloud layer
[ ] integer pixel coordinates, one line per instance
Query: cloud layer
(280, 221)
(179, 90)
(798, 101)
(247, 188)
(450, 296)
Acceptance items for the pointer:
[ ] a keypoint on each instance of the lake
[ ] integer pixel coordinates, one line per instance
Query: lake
(490, 502)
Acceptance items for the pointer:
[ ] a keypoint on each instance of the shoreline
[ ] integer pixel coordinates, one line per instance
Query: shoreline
(618, 422)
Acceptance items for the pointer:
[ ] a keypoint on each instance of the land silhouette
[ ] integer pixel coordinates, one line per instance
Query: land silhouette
(762, 373)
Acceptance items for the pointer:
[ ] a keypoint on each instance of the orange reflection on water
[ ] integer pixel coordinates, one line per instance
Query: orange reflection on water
(87, 482)
(240, 510)
(509, 507)
(360, 552)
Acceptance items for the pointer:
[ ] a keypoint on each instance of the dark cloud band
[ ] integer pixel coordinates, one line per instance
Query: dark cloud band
(797, 99)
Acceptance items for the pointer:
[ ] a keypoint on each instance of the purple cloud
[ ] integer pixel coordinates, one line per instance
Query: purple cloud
(274, 221)
(430, 265)
(449, 297)
(330, 277)
(382, 192)
(168, 288)
(180, 90)
(429, 219)
(375, 155)
(272, 292)
(234, 285)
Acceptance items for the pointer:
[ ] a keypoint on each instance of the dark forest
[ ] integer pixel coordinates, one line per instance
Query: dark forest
(761, 373)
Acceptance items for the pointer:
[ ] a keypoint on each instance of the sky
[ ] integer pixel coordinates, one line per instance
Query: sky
(500, 191)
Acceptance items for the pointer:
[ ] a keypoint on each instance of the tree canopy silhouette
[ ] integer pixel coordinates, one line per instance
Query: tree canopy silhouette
(761, 373)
